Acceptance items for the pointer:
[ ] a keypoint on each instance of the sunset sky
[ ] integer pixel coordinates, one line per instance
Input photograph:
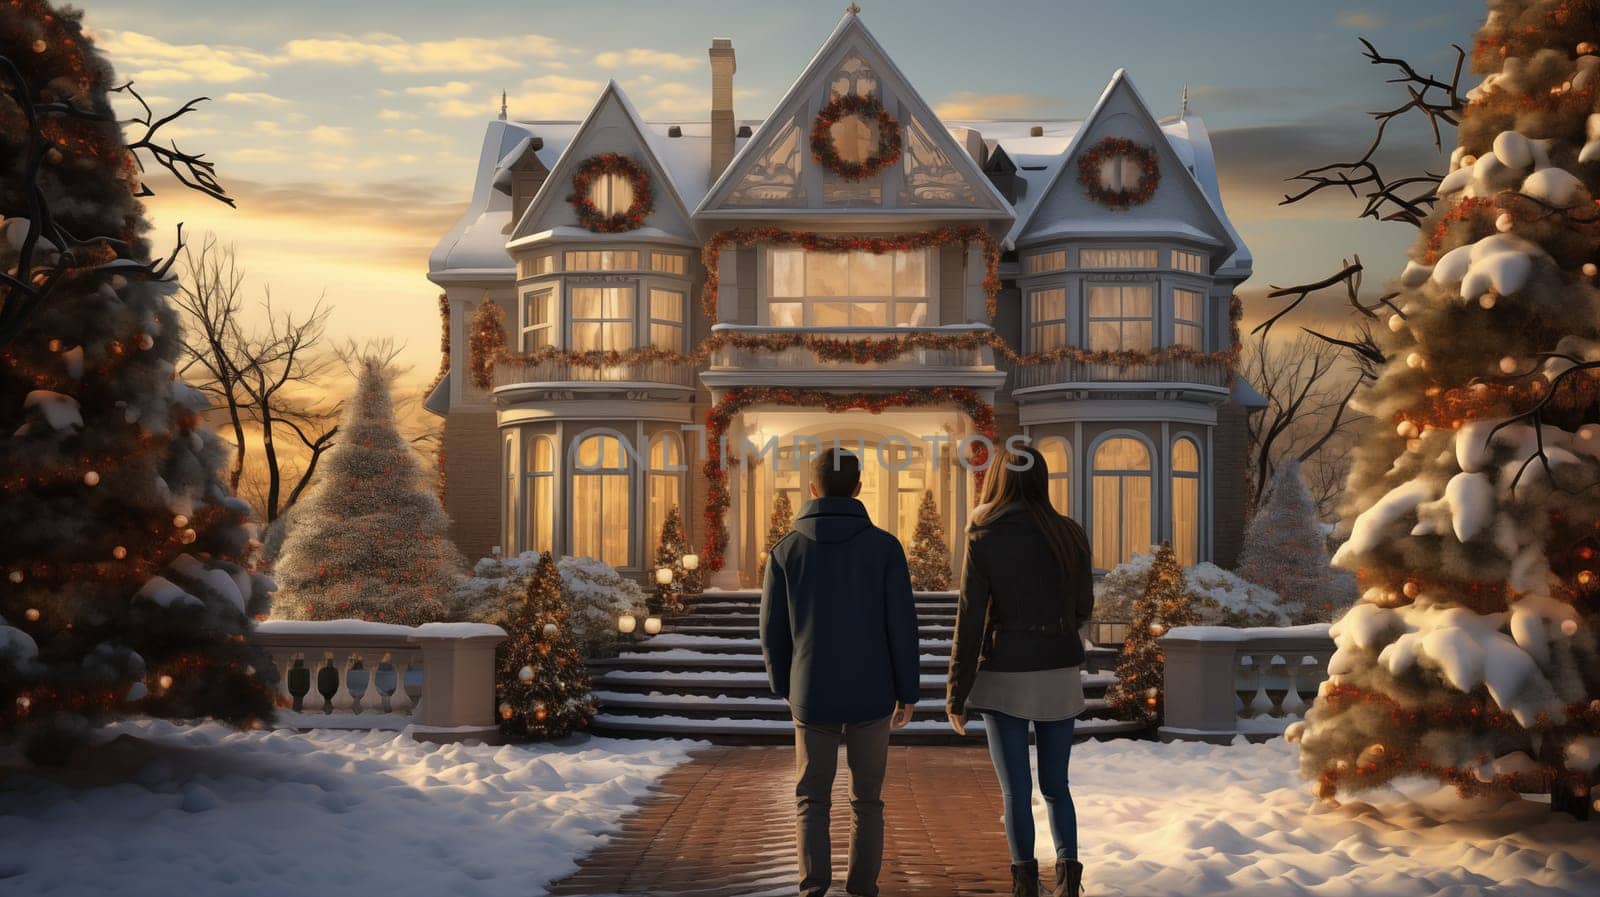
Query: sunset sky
(349, 131)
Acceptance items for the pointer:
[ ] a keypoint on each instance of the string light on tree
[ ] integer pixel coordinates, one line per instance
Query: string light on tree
(540, 672)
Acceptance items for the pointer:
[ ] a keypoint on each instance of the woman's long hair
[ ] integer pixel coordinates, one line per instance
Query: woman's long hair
(1020, 477)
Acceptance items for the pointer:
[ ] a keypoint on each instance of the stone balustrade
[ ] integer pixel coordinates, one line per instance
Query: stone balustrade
(436, 680)
(1222, 682)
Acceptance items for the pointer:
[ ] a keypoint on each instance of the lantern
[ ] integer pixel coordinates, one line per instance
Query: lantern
(691, 562)
(664, 576)
(627, 623)
(652, 625)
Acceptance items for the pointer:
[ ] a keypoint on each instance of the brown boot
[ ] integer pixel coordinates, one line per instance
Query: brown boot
(1025, 879)
(1069, 879)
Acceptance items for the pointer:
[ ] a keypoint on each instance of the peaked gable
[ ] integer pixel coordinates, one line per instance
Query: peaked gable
(1178, 208)
(775, 170)
(612, 126)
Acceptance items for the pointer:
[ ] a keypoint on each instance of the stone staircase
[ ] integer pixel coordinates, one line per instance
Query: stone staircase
(703, 678)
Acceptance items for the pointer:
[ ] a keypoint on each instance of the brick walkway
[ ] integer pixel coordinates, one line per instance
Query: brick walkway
(722, 825)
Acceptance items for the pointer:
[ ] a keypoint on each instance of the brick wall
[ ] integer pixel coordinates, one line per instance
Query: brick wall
(1230, 447)
(472, 481)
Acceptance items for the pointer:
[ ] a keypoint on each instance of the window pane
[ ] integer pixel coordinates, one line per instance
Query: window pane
(600, 517)
(618, 303)
(1049, 336)
(1186, 305)
(1058, 462)
(666, 336)
(666, 305)
(911, 314)
(1105, 302)
(1186, 520)
(1121, 454)
(1047, 261)
(589, 453)
(871, 275)
(586, 302)
(785, 314)
(1135, 516)
(827, 274)
(541, 454)
(1187, 335)
(911, 273)
(1105, 337)
(1137, 335)
(619, 335)
(1049, 305)
(869, 314)
(665, 453)
(1106, 517)
(541, 512)
(1185, 457)
(666, 262)
(1138, 302)
(586, 337)
(663, 497)
(854, 138)
(830, 314)
(788, 272)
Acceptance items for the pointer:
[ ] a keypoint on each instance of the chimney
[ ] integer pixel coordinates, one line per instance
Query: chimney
(722, 69)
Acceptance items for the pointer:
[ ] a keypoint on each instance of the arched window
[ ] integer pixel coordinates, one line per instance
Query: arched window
(600, 506)
(508, 509)
(538, 500)
(1057, 454)
(1121, 514)
(612, 194)
(665, 486)
(1186, 500)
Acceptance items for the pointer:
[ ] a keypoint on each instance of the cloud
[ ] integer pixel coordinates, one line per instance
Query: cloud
(641, 57)
(447, 89)
(395, 115)
(254, 98)
(969, 104)
(1361, 20)
(330, 136)
(151, 60)
(392, 54)
(544, 97)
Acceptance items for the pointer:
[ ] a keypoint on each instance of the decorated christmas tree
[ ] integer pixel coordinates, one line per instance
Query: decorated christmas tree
(1471, 657)
(1286, 551)
(670, 551)
(369, 539)
(777, 527)
(930, 556)
(123, 584)
(1162, 606)
(541, 682)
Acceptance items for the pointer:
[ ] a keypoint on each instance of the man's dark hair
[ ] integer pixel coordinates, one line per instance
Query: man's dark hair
(838, 473)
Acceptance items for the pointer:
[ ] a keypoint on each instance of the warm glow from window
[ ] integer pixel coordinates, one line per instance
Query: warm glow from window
(1122, 508)
(1116, 258)
(1120, 172)
(602, 318)
(601, 509)
(603, 260)
(1188, 319)
(612, 194)
(1057, 454)
(666, 262)
(854, 138)
(1192, 262)
(847, 289)
(1047, 261)
(666, 483)
(666, 320)
(1186, 501)
(1120, 317)
(538, 319)
(1047, 319)
(539, 500)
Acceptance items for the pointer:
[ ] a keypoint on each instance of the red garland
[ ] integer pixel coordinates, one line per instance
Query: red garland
(867, 107)
(591, 217)
(717, 419)
(811, 241)
(1089, 173)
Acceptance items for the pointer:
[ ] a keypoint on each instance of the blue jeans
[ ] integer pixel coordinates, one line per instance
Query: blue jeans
(1008, 748)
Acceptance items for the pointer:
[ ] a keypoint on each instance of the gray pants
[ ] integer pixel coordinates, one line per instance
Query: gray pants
(816, 751)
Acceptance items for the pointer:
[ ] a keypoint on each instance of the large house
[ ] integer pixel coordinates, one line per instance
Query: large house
(851, 268)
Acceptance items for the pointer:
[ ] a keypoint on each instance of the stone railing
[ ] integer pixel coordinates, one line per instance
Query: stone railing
(436, 680)
(1223, 682)
(1179, 371)
(801, 359)
(560, 371)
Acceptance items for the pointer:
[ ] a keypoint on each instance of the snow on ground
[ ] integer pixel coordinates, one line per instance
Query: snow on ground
(205, 810)
(1196, 820)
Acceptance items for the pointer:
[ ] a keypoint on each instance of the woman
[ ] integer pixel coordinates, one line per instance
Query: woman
(1027, 588)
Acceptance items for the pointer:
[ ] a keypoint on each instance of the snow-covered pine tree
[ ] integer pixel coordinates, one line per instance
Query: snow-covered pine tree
(1471, 657)
(1137, 693)
(122, 580)
(777, 527)
(930, 556)
(368, 541)
(671, 548)
(542, 682)
(1286, 551)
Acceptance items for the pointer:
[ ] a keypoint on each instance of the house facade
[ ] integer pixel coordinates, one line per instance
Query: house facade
(852, 269)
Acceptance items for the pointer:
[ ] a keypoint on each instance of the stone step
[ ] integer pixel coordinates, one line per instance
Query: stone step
(773, 731)
(928, 631)
(749, 617)
(750, 643)
(658, 703)
(753, 682)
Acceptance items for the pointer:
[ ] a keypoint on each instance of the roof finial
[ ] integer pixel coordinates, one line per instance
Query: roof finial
(502, 105)
(1185, 109)
(853, 9)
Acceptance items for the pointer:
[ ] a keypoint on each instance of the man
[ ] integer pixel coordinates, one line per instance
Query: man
(839, 633)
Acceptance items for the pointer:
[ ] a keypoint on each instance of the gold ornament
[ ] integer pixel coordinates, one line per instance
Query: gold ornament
(1569, 627)
(1411, 588)
(119, 552)
(549, 630)
(187, 536)
(165, 681)
(180, 521)
(505, 711)
(91, 478)
(32, 614)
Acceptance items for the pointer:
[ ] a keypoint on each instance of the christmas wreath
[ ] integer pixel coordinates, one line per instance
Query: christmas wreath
(1111, 147)
(866, 107)
(592, 218)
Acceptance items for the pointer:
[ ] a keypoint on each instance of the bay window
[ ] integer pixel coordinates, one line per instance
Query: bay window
(1192, 262)
(1120, 317)
(666, 319)
(1057, 454)
(1045, 262)
(538, 319)
(847, 289)
(1186, 501)
(602, 319)
(1116, 258)
(601, 509)
(602, 260)
(1121, 513)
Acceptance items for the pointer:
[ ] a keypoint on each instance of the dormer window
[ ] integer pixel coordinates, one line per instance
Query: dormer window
(612, 194)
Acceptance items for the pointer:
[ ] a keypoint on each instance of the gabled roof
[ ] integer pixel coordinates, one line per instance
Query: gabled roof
(850, 33)
(555, 186)
(1173, 164)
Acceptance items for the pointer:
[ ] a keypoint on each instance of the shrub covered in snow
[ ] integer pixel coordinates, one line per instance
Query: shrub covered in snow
(1286, 551)
(1219, 598)
(598, 595)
